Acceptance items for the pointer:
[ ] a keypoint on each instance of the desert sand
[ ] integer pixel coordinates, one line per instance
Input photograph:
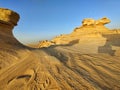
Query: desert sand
(86, 59)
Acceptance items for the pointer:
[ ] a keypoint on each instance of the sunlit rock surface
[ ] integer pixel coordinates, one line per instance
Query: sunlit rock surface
(86, 59)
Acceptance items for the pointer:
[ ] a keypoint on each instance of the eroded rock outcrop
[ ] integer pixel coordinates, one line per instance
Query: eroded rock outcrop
(8, 19)
(45, 43)
(102, 21)
(89, 27)
(92, 22)
(91, 36)
(10, 48)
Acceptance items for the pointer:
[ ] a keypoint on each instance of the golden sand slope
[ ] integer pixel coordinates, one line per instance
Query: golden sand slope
(59, 67)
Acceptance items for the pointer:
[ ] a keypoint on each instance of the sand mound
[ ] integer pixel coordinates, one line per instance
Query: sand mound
(64, 66)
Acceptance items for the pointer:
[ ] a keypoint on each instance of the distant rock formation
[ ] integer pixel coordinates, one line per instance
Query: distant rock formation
(102, 21)
(9, 45)
(91, 36)
(89, 26)
(45, 43)
(92, 22)
(88, 21)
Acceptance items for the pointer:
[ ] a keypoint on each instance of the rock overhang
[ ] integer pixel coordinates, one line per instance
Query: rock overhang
(9, 17)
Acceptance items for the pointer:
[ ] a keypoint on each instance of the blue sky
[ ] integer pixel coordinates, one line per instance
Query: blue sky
(45, 19)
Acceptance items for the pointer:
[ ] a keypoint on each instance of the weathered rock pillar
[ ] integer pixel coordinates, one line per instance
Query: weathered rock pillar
(8, 19)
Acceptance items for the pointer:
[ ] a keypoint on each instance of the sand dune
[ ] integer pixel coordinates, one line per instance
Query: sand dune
(88, 62)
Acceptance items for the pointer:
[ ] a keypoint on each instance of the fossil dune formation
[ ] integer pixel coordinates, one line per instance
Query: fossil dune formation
(86, 59)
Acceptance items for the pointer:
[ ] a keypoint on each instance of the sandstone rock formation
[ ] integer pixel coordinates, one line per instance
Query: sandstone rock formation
(89, 21)
(60, 67)
(91, 36)
(102, 21)
(89, 26)
(8, 19)
(10, 48)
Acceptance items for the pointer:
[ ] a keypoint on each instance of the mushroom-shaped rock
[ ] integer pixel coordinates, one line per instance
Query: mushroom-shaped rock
(8, 17)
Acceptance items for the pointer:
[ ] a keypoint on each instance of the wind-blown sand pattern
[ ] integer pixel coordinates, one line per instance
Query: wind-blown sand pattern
(86, 59)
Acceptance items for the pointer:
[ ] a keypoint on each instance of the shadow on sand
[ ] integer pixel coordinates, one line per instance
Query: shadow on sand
(111, 40)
